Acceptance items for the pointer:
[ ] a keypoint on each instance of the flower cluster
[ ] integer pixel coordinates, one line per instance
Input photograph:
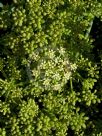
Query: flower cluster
(47, 77)
(53, 69)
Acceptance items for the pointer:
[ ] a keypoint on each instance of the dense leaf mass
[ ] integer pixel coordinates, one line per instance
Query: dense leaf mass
(50, 79)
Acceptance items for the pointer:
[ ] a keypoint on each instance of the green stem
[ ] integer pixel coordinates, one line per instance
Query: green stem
(89, 28)
(4, 74)
(28, 70)
(71, 84)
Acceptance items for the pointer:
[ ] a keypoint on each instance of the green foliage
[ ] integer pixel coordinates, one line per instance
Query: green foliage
(48, 78)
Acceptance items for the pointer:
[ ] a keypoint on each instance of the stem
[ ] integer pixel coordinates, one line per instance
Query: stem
(71, 85)
(28, 70)
(1, 5)
(4, 74)
(89, 28)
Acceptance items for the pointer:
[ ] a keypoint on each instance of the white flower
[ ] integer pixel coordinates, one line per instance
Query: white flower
(62, 51)
(67, 76)
(36, 73)
(51, 54)
(46, 82)
(56, 60)
(56, 76)
(49, 73)
(35, 56)
(57, 87)
(42, 64)
(73, 67)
